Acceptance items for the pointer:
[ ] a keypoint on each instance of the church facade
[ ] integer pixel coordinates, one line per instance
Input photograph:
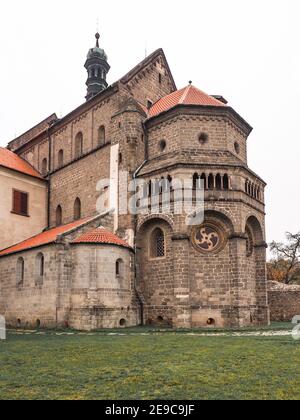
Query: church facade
(89, 269)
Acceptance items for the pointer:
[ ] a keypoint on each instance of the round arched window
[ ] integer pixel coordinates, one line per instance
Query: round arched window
(78, 145)
(157, 244)
(77, 209)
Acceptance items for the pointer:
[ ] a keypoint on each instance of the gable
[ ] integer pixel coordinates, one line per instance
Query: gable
(151, 79)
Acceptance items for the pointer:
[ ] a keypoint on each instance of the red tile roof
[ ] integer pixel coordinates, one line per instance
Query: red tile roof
(43, 238)
(101, 236)
(12, 161)
(189, 95)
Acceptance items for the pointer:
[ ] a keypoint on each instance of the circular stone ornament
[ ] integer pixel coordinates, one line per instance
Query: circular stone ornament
(209, 238)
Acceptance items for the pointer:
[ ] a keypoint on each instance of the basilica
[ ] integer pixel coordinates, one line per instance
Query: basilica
(64, 263)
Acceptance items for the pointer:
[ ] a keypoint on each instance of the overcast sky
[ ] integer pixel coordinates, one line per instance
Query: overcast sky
(248, 51)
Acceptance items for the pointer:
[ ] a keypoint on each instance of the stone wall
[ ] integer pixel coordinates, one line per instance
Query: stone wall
(27, 305)
(151, 82)
(79, 180)
(80, 287)
(100, 298)
(284, 302)
(187, 288)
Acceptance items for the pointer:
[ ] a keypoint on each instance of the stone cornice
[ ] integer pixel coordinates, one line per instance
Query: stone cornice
(176, 165)
(262, 245)
(227, 113)
(238, 235)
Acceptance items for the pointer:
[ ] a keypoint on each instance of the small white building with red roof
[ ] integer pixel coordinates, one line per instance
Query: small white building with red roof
(23, 203)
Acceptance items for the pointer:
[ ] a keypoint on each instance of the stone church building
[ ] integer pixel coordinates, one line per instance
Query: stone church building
(63, 263)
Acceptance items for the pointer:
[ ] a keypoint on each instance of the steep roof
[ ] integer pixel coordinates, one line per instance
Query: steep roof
(100, 236)
(189, 95)
(12, 161)
(43, 238)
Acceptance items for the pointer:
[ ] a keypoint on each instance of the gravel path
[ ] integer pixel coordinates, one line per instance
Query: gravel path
(283, 333)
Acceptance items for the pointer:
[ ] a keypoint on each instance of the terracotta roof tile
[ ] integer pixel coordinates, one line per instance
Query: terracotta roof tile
(43, 238)
(189, 95)
(101, 236)
(12, 161)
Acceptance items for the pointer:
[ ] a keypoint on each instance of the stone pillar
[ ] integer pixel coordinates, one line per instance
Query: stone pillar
(263, 312)
(240, 313)
(182, 309)
(64, 280)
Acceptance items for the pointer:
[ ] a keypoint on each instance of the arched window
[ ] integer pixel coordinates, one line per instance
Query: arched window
(211, 182)
(40, 269)
(170, 187)
(44, 167)
(58, 216)
(120, 268)
(101, 136)
(162, 185)
(258, 194)
(78, 145)
(226, 182)
(203, 178)
(157, 244)
(77, 209)
(248, 187)
(60, 158)
(195, 181)
(218, 182)
(150, 188)
(20, 272)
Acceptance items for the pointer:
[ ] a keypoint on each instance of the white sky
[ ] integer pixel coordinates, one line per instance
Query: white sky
(248, 51)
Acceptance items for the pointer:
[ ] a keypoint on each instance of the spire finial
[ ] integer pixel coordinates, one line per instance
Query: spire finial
(97, 36)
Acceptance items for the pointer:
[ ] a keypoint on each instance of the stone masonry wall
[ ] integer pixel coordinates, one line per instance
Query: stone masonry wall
(79, 180)
(284, 302)
(100, 298)
(23, 306)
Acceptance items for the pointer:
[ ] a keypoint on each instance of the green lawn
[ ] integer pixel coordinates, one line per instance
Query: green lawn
(155, 366)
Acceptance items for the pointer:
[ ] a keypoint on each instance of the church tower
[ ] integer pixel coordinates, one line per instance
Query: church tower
(97, 68)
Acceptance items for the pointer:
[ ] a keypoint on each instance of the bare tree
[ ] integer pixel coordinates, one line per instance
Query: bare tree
(290, 253)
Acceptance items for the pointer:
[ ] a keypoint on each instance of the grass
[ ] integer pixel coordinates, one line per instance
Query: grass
(156, 366)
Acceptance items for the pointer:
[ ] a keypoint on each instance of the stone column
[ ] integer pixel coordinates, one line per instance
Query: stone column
(263, 312)
(182, 309)
(240, 313)
(64, 284)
